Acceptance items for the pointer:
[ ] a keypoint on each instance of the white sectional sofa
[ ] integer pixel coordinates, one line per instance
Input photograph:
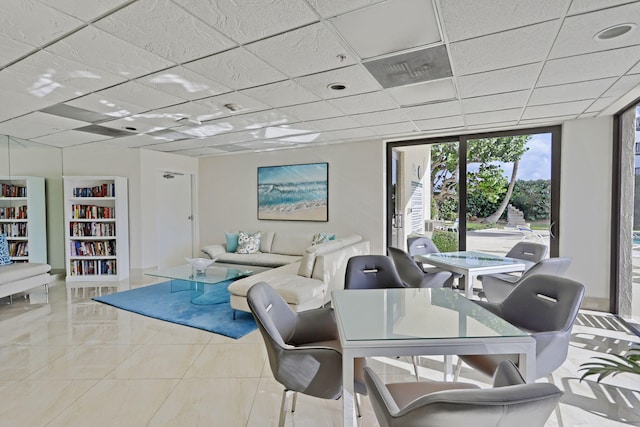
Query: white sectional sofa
(307, 283)
(20, 277)
(304, 274)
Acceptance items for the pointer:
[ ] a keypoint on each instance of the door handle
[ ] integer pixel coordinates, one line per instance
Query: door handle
(552, 226)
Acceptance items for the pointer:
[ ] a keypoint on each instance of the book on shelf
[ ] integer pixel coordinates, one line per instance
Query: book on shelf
(11, 190)
(102, 190)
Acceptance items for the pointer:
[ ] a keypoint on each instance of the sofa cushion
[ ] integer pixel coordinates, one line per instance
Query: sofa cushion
(232, 241)
(266, 240)
(306, 264)
(323, 248)
(248, 243)
(4, 251)
(22, 270)
(287, 243)
(293, 288)
(349, 240)
(260, 260)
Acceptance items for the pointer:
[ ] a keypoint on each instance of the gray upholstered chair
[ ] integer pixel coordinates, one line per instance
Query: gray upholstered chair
(371, 272)
(303, 347)
(546, 307)
(412, 274)
(511, 402)
(528, 251)
(422, 245)
(496, 287)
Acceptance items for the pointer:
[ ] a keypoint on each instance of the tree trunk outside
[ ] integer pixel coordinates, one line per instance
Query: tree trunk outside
(494, 217)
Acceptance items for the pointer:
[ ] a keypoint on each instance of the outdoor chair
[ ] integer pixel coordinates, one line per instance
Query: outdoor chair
(413, 276)
(303, 348)
(496, 287)
(528, 233)
(544, 306)
(510, 403)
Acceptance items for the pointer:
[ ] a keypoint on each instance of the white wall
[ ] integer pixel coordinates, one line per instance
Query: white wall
(152, 162)
(585, 206)
(228, 194)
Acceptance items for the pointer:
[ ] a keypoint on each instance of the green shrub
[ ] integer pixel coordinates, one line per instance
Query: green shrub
(446, 241)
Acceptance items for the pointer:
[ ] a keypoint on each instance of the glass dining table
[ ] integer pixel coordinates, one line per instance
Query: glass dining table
(472, 263)
(413, 322)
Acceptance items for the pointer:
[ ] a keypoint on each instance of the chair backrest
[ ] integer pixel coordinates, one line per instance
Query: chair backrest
(547, 307)
(412, 274)
(509, 405)
(371, 272)
(421, 246)
(528, 251)
(549, 266)
(290, 366)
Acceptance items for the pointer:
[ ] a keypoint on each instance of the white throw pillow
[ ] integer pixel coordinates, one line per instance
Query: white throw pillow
(306, 264)
(248, 243)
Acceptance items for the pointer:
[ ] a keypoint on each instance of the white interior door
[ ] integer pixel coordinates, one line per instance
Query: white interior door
(174, 218)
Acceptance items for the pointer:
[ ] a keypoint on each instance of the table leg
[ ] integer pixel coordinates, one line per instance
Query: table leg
(448, 367)
(348, 392)
(468, 286)
(527, 364)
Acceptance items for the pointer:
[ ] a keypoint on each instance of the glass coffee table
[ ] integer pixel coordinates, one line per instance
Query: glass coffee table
(185, 278)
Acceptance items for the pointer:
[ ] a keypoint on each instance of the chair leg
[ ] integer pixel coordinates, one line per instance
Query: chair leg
(456, 374)
(414, 359)
(294, 401)
(557, 410)
(357, 402)
(283, 407)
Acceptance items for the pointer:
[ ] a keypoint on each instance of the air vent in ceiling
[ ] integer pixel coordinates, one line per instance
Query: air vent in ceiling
(412, 67)
(76, 113)
(102, 130)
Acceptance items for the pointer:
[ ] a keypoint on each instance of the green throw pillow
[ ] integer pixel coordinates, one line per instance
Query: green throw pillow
(232, 241)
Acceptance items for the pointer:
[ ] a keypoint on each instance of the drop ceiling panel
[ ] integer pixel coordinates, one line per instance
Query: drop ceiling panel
(70, 138)
(346, 134)
(380, 117)
(38, 124)
(336, 123)
(84, 10)
(42, 89)
(600, 104)
(465, 19)
(439, 90)
(356, 78)
(582, 6)
(189, 110)
(20, 104)
(499, 81)
(140, 124)
(592, 66)
(137, 94)
(500, 101)
(438, 109)
(237, 69)
(165, 29)
(440, 123)
(135, 141)
(34, 23)
(623, 85)
(503, 50)
(331, 8)
(100, 104)
(390, 26)
(101, 50)
(313, 111)
(66, 73)
(393, 129)
(249, 21)
(512, 114)
(577, 33)
(242, 102)
(11, 50)
(552, 110)
(307, 50)
(281, 94)
(184, 83)
(364, 103)
(570, 92)
(635, 69)
(230, 138)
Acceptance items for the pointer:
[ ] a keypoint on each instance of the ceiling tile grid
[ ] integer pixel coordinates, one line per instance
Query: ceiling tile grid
(213, 78)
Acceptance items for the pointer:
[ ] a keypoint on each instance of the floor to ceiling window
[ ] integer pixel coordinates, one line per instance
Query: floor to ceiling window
(509, 192)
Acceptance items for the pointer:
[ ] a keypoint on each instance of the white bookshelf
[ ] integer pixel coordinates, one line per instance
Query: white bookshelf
(96, 228)
(23, 217)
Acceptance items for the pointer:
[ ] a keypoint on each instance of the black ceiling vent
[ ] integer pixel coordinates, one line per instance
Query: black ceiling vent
(102, 130)
(411, 67)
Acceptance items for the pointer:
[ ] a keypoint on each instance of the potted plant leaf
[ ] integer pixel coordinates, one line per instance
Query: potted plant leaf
(605, 366)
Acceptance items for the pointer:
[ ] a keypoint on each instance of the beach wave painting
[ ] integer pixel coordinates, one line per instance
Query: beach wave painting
(294, 192)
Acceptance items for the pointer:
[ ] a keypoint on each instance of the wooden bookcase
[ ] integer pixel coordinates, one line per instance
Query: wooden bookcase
(23, 217)
(96, 228)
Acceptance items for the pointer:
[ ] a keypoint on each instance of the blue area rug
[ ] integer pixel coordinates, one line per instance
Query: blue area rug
(210, 312)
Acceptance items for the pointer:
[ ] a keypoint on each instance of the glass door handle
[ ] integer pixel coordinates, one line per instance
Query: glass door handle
(552, 227)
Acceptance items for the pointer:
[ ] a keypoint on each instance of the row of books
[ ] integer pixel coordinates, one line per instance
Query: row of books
(18, 249)
(98, 248)
(16, 229)
(92, 229)
(103, 190)
(93, 267)
(10, 190)
(14, 212)
(92, 212)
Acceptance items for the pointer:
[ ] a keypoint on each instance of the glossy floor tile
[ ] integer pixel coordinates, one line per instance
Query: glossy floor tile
(75, 362)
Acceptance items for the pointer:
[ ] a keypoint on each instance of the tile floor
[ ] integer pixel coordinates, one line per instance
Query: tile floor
(73, 362)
